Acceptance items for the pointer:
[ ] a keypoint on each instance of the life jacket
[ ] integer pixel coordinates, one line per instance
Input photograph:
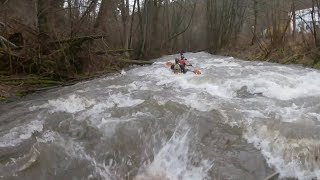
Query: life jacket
(182, 62)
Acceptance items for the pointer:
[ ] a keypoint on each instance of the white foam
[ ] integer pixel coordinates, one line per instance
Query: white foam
(172, 161)
(116, 86)
(47, 137)
(276, 85)
(124, 100)
(316, 115)
(198, 103)
(291, 157)
(75, 150)
(72, 104)
(21, 133)
(96, 111)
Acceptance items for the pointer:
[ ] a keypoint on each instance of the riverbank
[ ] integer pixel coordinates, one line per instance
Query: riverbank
(288, 54)
(13, 87)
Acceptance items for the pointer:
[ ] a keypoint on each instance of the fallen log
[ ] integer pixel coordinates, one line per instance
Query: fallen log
(77, 39)
(113, 51)
(138, 62)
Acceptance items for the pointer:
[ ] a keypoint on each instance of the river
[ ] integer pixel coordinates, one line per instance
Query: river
(237, 120)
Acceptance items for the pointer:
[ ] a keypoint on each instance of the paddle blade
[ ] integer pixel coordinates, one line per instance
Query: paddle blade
(196, 72)
(169, 64)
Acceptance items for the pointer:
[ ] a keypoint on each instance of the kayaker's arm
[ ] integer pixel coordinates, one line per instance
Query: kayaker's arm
(188, 64)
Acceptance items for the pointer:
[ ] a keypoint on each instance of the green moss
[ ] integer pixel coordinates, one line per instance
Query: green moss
(2, 99)
(31, 81)
(317, 66)
(21, 93)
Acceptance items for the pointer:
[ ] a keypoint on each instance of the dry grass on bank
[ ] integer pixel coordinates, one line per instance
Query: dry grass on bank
(290, 52)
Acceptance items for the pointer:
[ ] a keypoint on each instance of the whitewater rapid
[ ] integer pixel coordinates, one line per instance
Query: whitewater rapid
(237, 120)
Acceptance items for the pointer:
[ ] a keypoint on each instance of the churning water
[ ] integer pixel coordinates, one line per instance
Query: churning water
(238, 120)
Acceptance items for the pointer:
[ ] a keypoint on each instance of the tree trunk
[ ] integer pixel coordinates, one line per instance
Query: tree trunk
(131, 25)
(294, 22)
(43, 27)
(101, 21)
(70, 17)
(124, 8)
(76, 9)
(145, 23)
(314, 24)
(255, 12)
(42, 15)
(155, 22)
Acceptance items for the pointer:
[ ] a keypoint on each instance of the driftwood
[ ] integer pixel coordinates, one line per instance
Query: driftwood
(77, 39)
(113, 51)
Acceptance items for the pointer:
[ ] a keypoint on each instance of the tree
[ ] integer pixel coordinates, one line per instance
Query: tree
(42, 15)
(101, 21)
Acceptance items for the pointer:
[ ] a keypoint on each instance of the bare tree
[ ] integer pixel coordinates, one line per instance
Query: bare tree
(101, 21)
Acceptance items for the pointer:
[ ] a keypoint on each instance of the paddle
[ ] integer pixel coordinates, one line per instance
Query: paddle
(197, 72)
(169, 64)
